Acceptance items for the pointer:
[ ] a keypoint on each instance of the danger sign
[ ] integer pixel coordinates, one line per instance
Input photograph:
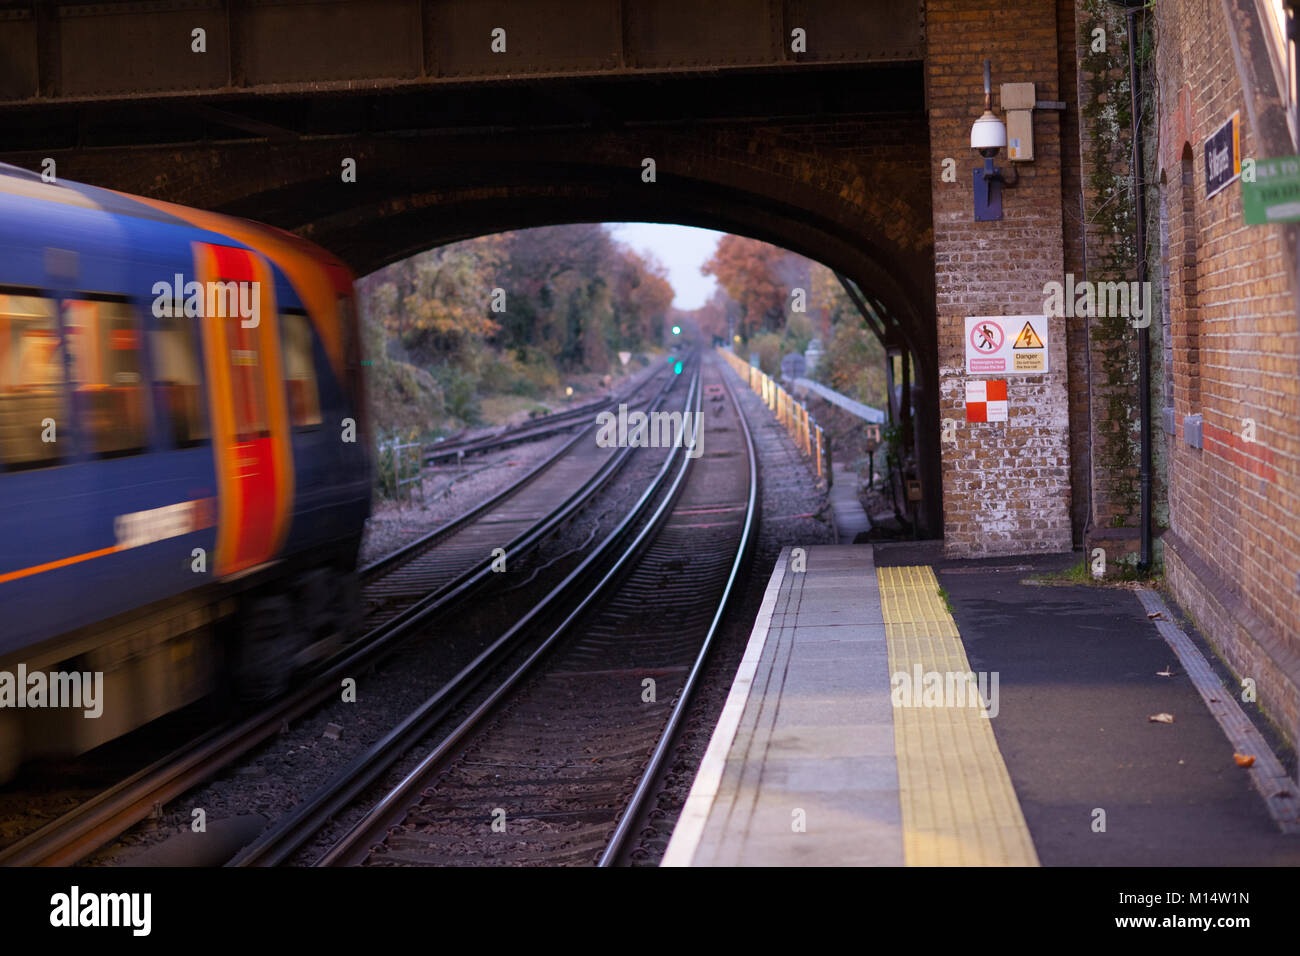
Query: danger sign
(1002, 344)
(1028, 339)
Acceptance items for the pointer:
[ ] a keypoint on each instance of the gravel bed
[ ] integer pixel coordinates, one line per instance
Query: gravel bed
(449, 491)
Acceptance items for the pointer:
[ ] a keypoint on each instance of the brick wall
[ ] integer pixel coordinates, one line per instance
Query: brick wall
(1006, 485)
(1233, 553)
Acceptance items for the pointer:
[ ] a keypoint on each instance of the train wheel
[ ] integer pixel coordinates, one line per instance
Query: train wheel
(268, 641)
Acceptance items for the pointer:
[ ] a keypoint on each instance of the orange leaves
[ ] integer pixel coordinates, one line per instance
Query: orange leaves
(747, 270)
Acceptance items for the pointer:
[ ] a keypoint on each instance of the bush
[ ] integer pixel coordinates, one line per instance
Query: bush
(854, 365)
(459, 392)
(390, 468)
(768, 345)
(774, 346)
(404, 399)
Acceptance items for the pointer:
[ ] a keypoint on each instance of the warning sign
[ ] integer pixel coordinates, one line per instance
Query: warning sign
(986, 401)
(989, 349)
(1028, 339)
(986, 338)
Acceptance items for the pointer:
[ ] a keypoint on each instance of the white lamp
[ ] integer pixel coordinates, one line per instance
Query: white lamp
(988, 133)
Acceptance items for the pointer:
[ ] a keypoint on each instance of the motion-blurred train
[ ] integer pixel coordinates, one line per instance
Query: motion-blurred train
(184, 458)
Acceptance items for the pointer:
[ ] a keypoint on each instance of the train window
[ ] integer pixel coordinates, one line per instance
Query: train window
(300, 370)
(31, 383)
(177, 378)
(247, 385)
(108, 389)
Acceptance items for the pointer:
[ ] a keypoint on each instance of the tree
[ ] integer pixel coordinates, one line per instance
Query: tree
(712, 315)
(748, 271)
(643, 297)
(436, 302)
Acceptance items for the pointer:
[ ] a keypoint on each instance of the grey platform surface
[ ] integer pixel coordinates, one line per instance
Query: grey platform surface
(806, 731)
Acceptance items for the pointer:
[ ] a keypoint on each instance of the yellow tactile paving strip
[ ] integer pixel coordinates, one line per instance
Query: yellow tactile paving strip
(959, 808)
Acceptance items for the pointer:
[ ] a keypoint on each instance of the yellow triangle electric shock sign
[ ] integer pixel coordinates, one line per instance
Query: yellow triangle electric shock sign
(1028, 339)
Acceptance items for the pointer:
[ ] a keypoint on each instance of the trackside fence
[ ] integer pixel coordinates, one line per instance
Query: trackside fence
(793, 415)
(400, 468)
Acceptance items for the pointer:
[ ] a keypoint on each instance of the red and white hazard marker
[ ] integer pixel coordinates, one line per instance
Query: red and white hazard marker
(986, 401)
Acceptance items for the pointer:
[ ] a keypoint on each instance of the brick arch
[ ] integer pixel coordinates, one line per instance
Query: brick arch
(875, 237)
(854, 195)
(374, 234)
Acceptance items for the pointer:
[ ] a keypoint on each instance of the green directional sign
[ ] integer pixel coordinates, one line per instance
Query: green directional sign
(1274, 196)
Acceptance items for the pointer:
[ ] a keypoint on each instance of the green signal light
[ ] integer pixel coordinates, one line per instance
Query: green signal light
(678, 368)
(677, 330)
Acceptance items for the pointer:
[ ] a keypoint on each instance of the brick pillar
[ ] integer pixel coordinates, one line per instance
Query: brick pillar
(1006, 486)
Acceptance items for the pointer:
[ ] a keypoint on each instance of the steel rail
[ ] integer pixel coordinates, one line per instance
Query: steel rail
(540, 427)
(407, 551)
(72, 836)
(285, 838)
(633, 810)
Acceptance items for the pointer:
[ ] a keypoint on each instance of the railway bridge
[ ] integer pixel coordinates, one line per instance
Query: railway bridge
(803, 124)
(837, 129)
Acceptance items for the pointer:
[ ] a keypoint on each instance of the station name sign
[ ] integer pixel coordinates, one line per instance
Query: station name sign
(1223, 156)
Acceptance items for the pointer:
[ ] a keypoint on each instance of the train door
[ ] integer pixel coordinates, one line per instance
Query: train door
(250, 428)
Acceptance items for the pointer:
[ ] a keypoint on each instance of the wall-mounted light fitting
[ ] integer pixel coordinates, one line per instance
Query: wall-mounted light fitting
(987, 136)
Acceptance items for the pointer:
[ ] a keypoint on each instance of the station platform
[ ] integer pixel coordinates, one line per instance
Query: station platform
(1114, 735)
(812, 761)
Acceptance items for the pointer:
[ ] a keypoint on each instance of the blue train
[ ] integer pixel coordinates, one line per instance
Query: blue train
(185, 470)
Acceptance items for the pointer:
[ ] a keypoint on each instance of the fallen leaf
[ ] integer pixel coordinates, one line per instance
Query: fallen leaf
(1244, 760)
(1156, 616)
(1161, 718)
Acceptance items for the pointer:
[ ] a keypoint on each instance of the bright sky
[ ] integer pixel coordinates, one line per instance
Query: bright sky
(683, 249)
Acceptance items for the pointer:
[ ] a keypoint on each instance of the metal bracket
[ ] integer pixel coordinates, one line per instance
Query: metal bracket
(988, 192)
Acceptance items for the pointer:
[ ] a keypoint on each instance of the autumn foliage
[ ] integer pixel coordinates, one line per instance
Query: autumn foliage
(569, 292)
(777, 301)
(507, 314)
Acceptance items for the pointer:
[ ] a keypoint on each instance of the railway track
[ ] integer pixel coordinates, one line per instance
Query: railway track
(513, 520)
(553, 765)
(541, 427)
(403, 592)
